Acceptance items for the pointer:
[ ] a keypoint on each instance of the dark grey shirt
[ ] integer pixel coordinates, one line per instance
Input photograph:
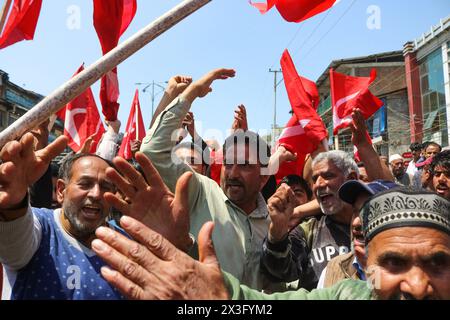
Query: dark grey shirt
(306, 251)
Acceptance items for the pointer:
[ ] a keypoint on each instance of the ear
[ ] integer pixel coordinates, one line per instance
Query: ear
(60, 188)
(352, 176)
(264, 180)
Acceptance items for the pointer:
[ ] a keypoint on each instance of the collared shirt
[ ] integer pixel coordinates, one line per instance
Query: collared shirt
(238, 237)
(359, 269)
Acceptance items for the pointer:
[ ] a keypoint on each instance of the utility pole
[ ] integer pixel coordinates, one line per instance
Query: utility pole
(153, 84)
(275, 85)
(4, 14)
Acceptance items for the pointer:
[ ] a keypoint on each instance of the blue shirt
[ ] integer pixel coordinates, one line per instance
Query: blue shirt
(62, 268)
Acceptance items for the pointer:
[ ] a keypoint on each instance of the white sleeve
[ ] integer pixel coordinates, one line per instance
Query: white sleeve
(19, 241)
(321, 283)
(108, 147)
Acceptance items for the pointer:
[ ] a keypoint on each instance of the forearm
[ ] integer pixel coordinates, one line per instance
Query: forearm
(277, 260)
(309, 209)
(19, 240)
(167, 98)
(373, 165)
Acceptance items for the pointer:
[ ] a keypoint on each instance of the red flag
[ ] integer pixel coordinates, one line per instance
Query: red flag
(295, 10)
(348, 93)
(111, 20)
(81, 119)
(305, 130)
(135, 129)
(21, 23)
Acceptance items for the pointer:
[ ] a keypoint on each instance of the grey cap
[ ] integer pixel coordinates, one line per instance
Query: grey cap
(402, 207)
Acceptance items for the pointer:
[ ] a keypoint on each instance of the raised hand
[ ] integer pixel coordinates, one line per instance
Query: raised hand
(155, 269)
(189, 124)
(86, 147)
(22, 166)
(202, 87)
(281, 207)
(240, 119)
(147, 199)
(178, 84)
(359, 129)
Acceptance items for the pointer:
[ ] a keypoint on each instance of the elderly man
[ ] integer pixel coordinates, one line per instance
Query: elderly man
(352, 264)
(303, 253)
(46, 254)
(408, 243)
(236, 206)
(399, 171)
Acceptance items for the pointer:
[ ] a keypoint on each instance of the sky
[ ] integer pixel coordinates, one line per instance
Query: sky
(224, 33)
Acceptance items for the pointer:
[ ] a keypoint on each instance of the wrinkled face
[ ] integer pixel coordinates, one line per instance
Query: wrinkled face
(327, 179)
(431, 151)
(410, 263)
(300, 194)
(397, 167)
(441, 181)
(240, 177)
(82, 196)
(192, 158)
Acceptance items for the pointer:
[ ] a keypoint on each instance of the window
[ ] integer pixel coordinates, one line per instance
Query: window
(433, 98)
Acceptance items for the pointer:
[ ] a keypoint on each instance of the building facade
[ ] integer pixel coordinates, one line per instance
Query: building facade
(427, 67)
(389, 127)
(15, 101)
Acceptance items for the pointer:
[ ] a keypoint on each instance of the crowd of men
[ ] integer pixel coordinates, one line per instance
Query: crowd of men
(176, 223)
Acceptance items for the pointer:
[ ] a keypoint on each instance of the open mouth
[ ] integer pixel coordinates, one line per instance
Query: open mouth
(358, 238)
(441, 189)
(91, 212)
(326, 198)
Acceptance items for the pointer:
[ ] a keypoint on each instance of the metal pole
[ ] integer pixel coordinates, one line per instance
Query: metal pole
(275, 85)
(78, 84)
(4, 14)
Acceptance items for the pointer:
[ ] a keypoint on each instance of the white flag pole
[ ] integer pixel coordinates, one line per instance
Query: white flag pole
(4, 14)
(78, 84)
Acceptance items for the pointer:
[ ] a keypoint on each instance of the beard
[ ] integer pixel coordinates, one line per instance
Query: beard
(336, 206)
(72, 212)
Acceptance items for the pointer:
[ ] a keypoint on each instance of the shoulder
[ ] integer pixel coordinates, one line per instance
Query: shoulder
(350, 289)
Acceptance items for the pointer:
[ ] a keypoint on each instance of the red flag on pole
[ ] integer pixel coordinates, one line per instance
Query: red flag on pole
(305, 130)
(348, 93)
(81, 119)
(111, 20)
(295, 10)
(21, 23)
(135, 129)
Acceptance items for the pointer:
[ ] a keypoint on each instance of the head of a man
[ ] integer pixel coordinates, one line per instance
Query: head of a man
(80, 188)
(192, 155)
(440, 171)
(299, 186)
(416, 150)
(241, 177)
(330, 170)
(431, 149)
(397, 167)
(407, 237)
(356, 193)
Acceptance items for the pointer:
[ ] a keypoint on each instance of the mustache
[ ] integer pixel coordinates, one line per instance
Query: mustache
(324, 192)
(234, 182)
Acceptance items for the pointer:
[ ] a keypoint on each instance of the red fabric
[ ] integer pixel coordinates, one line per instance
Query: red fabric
(130, 131)
(305, 130)
(81, 119)
(111, 20)
(295, 10)
(348, 93)
(21, 23)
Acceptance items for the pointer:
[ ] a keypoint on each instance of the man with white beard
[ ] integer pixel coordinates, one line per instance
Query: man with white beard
(304, 252)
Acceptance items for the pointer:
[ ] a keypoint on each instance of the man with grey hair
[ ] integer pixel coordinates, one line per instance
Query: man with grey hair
(304, 252)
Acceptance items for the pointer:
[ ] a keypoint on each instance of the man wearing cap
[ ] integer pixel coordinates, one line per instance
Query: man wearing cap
(398, 170)
(407, 236)
(352, 264)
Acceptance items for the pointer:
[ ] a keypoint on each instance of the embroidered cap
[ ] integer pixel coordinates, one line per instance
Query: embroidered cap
(403, 207)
